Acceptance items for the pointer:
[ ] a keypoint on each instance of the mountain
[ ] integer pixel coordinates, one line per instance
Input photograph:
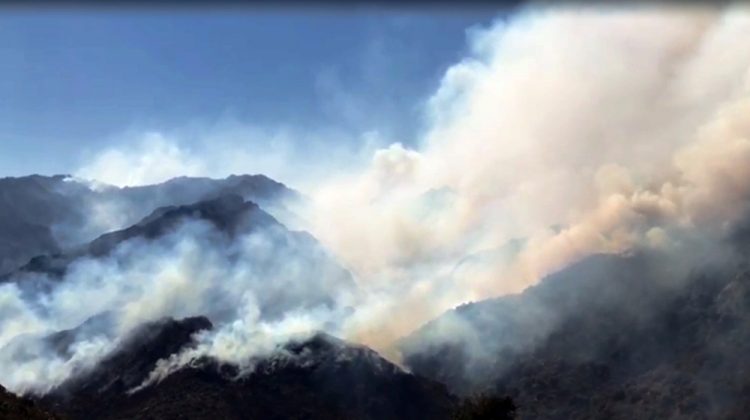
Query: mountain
(317, 377)
(314, 377)
(305, 275)
(290, 269)
(228, 213)
(615, 337)
(45, 215)
(650, 334)
(29, 208)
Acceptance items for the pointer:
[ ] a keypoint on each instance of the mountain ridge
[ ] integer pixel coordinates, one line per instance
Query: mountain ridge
(49, 214)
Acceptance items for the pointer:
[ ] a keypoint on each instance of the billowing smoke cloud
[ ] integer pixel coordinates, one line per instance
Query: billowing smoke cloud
(566, 132)
(573, 131)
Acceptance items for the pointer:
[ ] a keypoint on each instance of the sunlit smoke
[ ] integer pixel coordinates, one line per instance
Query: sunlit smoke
(574, 130)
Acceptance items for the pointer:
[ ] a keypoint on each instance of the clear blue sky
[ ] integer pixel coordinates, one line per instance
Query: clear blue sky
(72, 79)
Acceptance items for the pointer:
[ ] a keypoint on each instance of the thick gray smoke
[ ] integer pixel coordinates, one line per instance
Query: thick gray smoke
(566, 132)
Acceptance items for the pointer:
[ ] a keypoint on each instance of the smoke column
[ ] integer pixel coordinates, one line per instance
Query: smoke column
(569, 131)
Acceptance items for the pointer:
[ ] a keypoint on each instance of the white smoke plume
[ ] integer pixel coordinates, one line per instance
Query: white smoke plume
(568, 131)
(577, 130)
(196, 270)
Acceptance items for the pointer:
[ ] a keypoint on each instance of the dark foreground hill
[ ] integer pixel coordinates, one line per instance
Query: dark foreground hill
(318, 377)
(13, 407)
(610, 337)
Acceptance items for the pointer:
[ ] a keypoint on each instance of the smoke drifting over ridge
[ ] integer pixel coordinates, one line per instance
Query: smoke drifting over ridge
(566, 132)
(237, 282)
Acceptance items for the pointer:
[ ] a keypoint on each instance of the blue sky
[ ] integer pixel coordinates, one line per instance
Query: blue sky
(72, 80)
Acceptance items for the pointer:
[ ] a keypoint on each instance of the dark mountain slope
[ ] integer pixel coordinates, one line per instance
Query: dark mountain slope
(609, 337)
(320, 377)
(13, 407)
(131, 363)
